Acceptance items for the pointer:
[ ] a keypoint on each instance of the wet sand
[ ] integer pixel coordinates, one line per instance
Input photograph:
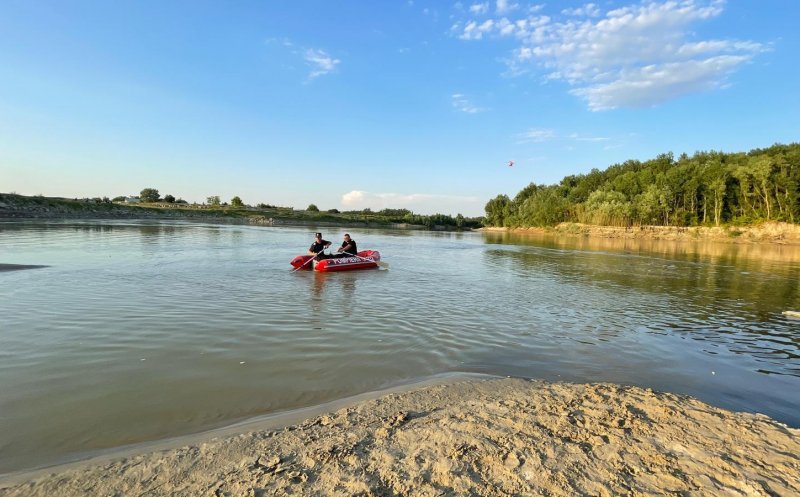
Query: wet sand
(470, 437)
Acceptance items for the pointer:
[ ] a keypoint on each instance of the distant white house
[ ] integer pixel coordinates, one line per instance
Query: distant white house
(132, 200)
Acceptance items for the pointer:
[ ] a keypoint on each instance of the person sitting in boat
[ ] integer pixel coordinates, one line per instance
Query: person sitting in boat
(318, 246)
(348, 248)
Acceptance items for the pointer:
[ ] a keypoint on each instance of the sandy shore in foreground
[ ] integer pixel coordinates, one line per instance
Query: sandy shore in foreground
(492, 437)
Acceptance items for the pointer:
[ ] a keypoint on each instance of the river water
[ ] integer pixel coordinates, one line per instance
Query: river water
(139, 331)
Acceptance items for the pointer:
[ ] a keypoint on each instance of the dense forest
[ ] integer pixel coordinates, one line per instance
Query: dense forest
(708, 188)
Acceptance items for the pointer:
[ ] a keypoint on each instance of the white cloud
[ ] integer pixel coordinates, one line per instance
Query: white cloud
(539, 135)
(479, 8)
(634, 56)
(536, 135)
(577, 137)
(321, 63)
(652, 84)
(475, 31)
(503, 7)
(588, 10)
(352, 198)
(423, 203)
(461, 103)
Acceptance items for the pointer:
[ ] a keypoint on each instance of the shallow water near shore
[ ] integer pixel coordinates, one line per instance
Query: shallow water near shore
(139, 331)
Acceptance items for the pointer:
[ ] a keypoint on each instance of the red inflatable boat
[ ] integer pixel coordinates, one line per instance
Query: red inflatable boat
(366, 259)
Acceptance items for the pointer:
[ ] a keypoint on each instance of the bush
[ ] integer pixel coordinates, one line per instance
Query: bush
(236, 201)
(169, 198)
(149, 195)
(312, 208)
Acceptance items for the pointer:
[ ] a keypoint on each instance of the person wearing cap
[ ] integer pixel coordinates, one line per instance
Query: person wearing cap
(318, 246)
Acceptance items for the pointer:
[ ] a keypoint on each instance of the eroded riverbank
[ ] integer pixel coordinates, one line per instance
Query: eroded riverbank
(771, 232)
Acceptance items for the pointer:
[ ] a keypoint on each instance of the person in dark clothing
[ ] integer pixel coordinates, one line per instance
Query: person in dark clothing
(348, 248)
(318, 246)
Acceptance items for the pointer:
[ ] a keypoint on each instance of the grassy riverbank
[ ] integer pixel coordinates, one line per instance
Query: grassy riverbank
(14, 206)
(492, 438)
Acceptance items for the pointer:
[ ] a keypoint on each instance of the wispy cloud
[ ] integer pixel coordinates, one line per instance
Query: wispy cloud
(475, 31)
(479, 8)
(321, 63)
(539, 135)
(503, 7)
(536, 135)
(461, 103)
(580, 138)
(633, 56)
(588, 10)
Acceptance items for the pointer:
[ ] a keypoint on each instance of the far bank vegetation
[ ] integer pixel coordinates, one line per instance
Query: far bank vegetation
(706, 189)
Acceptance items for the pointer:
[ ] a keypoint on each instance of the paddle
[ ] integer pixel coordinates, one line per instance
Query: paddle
(380, 263)
(312, 258)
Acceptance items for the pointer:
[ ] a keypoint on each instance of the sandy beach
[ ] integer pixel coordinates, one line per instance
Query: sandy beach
(471, 437)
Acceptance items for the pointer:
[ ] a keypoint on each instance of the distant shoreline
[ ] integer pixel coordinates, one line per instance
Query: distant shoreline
(20, 208)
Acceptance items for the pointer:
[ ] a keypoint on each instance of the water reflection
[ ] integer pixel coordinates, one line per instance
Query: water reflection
(704, 292)
(332, 290)
(317, 285)
(718, 252)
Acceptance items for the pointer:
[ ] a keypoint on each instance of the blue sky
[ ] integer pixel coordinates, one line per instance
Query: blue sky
(353, 104)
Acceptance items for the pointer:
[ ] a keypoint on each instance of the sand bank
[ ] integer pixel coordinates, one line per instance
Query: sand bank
(492, 437)
(767, 232)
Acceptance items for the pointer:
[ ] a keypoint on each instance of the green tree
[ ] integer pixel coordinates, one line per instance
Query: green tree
(312, 208)
(236, 201)
(498, 210)
(608, 208)
(149, 195)
(213, 200)
(761, 170)
(169, 198)
(707, 188)
(544, 208)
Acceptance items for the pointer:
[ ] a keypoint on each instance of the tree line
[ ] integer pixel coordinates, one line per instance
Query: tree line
(386, 216)
(708, 188)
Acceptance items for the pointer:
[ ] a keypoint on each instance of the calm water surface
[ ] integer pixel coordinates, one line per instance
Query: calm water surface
(138, 331)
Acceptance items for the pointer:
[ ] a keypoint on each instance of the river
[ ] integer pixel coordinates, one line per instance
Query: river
(142, 330)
